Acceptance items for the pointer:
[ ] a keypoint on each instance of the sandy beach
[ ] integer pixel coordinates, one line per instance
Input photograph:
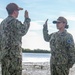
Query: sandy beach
(39, 68)
(36, 68)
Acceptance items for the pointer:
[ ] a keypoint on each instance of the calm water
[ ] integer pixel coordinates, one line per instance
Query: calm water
(35, 57)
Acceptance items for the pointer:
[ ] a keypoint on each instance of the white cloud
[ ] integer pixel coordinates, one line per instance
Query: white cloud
(68, 15)
(1, 20)
(72, 18)
(34, 40)
(38, 25)
(35, 26)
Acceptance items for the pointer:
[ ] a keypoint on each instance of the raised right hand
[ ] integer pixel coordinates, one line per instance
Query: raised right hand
(26, 15)
(45, 25)
(46, 22)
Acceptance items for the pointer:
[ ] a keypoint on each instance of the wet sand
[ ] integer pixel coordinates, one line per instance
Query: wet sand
(39, 68)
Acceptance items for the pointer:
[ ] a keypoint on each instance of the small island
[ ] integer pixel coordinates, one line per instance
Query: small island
(35, 51)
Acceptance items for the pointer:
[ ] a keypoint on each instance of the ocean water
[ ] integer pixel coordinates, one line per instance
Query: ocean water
(36, 57)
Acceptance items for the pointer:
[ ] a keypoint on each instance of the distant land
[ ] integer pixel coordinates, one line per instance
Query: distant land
(35, 51)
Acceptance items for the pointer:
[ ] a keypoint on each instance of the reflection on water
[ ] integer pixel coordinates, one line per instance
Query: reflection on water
(35, 57)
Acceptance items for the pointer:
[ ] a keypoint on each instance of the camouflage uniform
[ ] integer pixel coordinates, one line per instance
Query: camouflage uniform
(62, 51)
(11, 31)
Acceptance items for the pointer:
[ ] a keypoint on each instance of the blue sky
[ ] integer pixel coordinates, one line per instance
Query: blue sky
(39, 11)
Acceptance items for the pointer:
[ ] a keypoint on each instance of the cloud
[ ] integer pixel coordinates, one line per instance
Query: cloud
(1, 20)
(69, 15)
(34, 41)
(38, 25)
(35, 26)
(72, 18)
(34, 38)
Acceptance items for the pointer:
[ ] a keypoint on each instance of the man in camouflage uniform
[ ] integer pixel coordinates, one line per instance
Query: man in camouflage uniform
(62, 47)
(11, 32)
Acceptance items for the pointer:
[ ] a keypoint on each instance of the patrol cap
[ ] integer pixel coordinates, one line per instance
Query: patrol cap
(60, 19)
(12, 7)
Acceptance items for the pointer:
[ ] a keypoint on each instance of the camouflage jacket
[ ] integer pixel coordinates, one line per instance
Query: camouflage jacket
(11, 32)
(62, 46)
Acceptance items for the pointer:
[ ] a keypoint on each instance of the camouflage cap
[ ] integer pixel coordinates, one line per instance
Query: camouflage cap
(13, 6)
(60, 19)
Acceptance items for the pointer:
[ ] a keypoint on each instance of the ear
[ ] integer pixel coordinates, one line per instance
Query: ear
(64, 25)
(14, 13)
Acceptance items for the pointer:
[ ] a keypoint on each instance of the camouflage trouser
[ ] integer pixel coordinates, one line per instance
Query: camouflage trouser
(59, 69)
(11, 66)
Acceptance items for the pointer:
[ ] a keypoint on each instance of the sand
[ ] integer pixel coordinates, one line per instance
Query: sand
(39, 68)
(36, 68)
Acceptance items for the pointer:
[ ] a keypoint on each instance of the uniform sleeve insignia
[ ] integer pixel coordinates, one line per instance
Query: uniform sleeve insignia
(69, 41)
